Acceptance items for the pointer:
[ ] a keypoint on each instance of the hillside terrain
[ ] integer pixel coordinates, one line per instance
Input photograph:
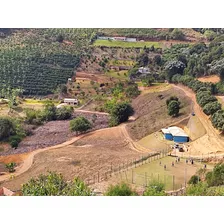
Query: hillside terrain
(91, 103)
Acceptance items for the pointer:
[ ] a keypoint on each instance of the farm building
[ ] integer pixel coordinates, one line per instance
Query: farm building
(120, 38)
(71, 101)
(131, 39)
(175, 134)
(143, 70)
(104, 38)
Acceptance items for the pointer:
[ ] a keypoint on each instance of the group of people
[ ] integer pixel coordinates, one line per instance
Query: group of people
(191, 161)
(177, 160)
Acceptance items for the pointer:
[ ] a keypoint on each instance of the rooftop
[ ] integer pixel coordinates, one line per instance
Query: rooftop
(175, 131)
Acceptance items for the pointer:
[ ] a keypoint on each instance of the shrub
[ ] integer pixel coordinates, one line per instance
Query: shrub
(6, 128)
(194, 180)
(155, 188)
(15, 140)
(216, 177)
(11, 167)
(211, 108)
(121, 189)
(80, 124)
(64, 113)
(173, 108)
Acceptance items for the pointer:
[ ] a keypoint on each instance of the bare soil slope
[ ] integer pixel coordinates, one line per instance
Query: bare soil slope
(85, 158)
(151, 112)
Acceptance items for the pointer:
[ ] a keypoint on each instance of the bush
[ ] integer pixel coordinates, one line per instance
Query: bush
(216, 177)
(173, 108)
(64, 113)
(6, 128)
(54, 184)
(15, 140)
(211, 108)
(80, 124)
(172, 98)
(194, 180)
(121, 189)
(120, 112)
(155, 188)
(11, 167)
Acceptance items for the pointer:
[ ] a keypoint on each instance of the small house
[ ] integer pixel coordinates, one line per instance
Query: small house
(131, 39)
(120, 38)
(70, 101)
(143, 70)
(175, 134)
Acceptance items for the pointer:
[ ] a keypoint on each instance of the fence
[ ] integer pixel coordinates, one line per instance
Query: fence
(117, 169)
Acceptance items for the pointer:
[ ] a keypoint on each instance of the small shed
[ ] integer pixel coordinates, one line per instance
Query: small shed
(71, 101)
(176, 134)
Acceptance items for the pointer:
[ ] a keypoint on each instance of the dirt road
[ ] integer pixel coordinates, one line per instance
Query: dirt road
(212, 142)
(29, 158)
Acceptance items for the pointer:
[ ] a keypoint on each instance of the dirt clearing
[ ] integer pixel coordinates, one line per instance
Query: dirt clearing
(85, 158)
(212, 78)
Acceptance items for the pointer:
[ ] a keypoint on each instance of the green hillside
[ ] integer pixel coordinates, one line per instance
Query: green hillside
(37, 60)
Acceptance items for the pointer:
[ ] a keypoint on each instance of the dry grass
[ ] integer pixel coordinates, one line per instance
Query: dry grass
(151, 112)
(85, 158)
(212, 78)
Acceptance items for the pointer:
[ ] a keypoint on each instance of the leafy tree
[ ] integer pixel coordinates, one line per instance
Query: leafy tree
(157, 59)
(11, 167)
(171, 99)
(147, 81)
(155, 188)
(120, 112)
(173, 108)
(177, 34)
(216, 176)
(15, 140)
(53, 184)
(199, 189)
(49, 112)
(80, 124)
(132, 91)
(194, 180)
(211, 108)
(174, 67)
(143, 59)
(60, 38)
(6, 128)
(218, 120)
(64, 113)
(121, 189)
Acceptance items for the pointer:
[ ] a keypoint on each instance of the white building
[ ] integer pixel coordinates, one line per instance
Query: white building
(143, 70)
(70, 101)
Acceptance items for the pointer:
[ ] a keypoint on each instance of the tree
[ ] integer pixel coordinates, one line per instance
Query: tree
(6, 128)
(120, 112)
(121, 189)
(132, 91)
(211, 108)
(155, 188)
(173, 108)
(194, 180)
(60, 38)
(49, 112)
(11, 167)
(172, 98)
(64, 113)
(53, 184)
(177, 34)
(199, 189)
(218, 120)
(80, 124)
(216, 176)
(147, 81)
(174, 67)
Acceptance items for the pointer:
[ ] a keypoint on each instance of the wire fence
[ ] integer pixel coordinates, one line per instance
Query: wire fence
(117, 169)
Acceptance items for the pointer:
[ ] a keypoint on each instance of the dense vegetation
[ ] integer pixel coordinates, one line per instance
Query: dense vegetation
(38, 60)
(53, 184)
(80, 125)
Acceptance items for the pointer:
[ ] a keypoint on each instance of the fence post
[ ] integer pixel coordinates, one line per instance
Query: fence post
(132, 176)
(135, 163)
(145, 179)
(173, 182)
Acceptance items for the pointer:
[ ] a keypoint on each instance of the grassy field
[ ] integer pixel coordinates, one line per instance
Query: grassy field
(122, 75)
(155, 141)
(108, 43)
(173, 177)
(121, 62)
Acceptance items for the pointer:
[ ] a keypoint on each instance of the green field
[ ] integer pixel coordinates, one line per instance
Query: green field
(118, 75)
(172, 177)
(108, 43)
(122, 62)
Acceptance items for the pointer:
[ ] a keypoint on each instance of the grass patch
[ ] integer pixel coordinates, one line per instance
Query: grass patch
(121, 62)
(122, 75)
(108, 43)
(154, 171)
